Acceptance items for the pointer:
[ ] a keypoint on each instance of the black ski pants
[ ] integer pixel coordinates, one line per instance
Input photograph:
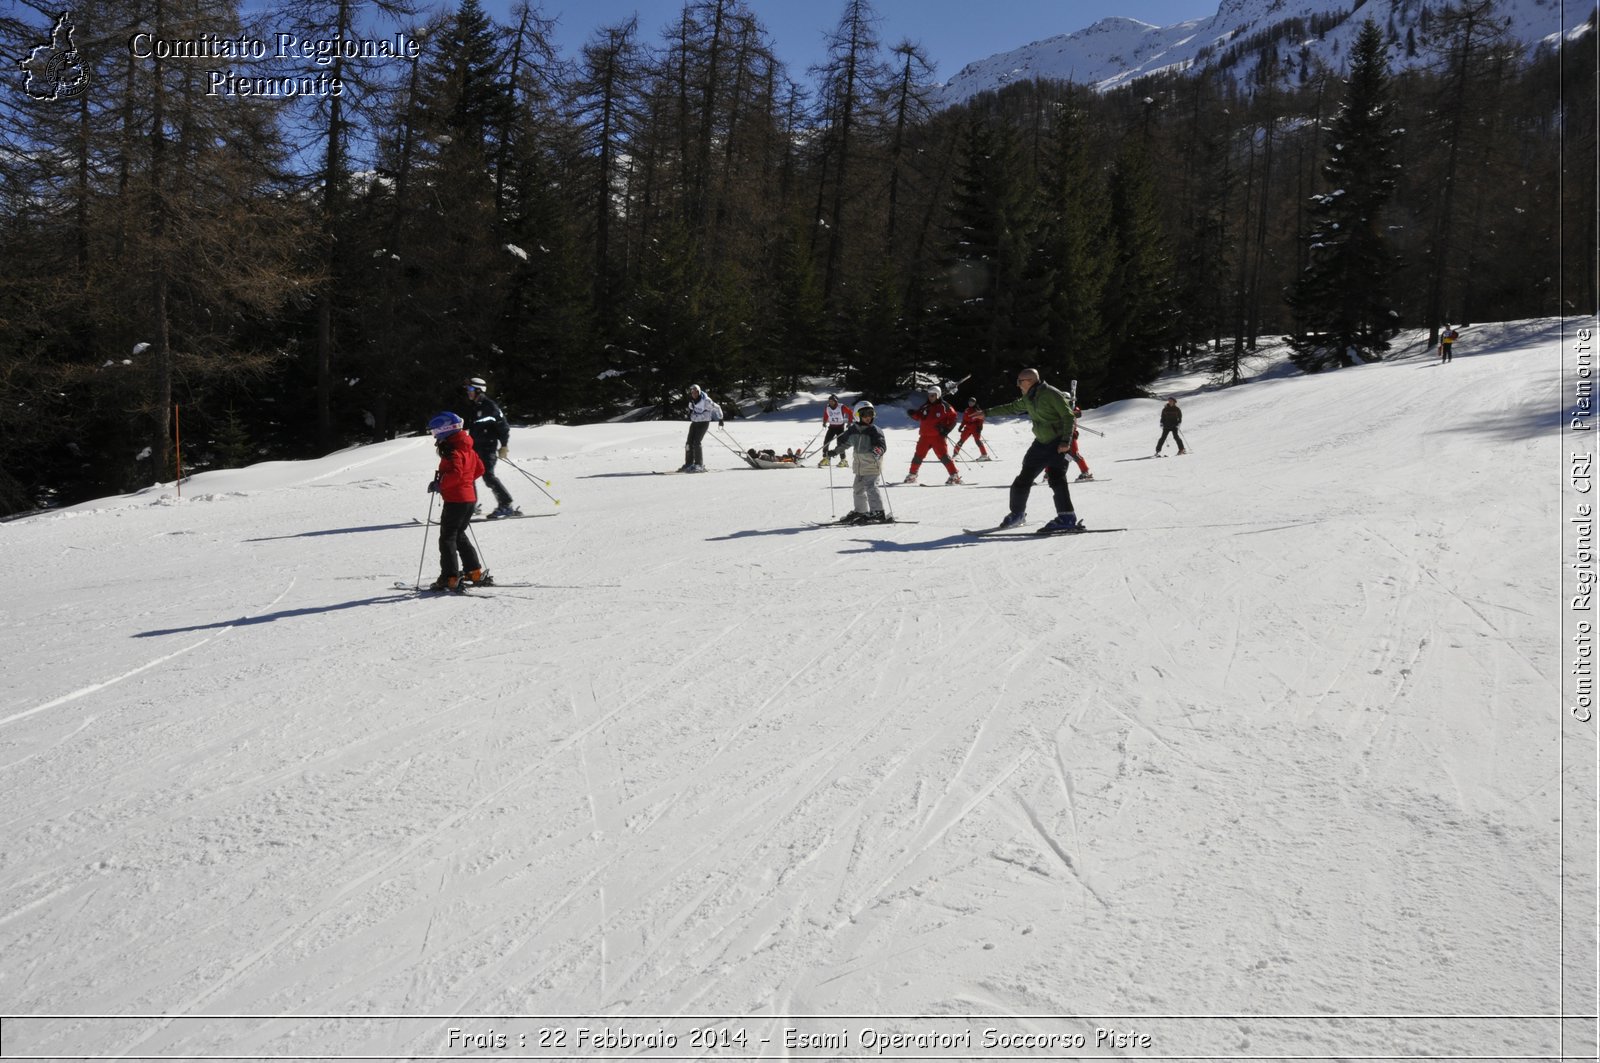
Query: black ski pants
(1054, 463)
(693, 453)
(455, 540)
(501, 495)
(1176, 438)
(834, 432)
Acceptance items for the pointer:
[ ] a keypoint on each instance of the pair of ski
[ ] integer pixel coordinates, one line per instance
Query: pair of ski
(471, 590)
(486, 519)
(842, 523)
(1017, 531)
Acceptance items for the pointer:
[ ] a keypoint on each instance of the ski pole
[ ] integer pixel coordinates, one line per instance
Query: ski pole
(540, 484)
(807, 447)
(424, 558)
(833, 509)
(1085, 428)
(888, 503)
(735, 447)
(483, 561)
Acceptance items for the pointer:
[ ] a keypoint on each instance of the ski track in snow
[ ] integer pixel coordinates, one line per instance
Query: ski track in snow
(96, 687)
(1271, 752)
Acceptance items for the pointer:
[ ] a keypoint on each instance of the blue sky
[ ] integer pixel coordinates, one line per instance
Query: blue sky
(952, 32)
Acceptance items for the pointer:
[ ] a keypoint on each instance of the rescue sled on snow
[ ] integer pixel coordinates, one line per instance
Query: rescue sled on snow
(767, 459)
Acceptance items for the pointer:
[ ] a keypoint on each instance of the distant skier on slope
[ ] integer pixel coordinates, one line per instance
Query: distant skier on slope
(836, 417)
(1171, 418)
(935, 417)
(1051, 415)
(456, 483)
(491, 437)
(1447, 340)
(869, 443)
(972, 428)
(702, 411)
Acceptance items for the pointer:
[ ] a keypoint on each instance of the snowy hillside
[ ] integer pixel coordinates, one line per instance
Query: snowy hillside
(1116, 51)
(1282, 753)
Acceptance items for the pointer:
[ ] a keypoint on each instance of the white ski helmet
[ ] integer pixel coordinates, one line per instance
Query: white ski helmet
(934, 393)
(477, 384)
(864, 408)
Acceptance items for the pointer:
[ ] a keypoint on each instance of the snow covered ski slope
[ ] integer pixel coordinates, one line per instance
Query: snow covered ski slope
(1282, 753)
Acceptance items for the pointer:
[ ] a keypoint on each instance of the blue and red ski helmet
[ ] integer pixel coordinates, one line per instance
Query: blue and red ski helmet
(444, 424)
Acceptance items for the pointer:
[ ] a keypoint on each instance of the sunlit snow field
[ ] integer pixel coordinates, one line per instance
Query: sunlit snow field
(1283, 751)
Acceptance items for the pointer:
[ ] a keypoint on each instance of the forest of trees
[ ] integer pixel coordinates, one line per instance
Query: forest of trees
(592, 233)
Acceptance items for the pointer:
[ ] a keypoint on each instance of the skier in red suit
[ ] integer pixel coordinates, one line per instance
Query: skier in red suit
(972, 428)
(936, 418)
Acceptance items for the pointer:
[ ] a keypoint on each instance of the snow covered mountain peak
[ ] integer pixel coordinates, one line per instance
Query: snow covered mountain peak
(1301, 34)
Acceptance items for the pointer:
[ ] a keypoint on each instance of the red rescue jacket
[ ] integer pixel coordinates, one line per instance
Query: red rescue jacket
(936, 418)
(459, 468)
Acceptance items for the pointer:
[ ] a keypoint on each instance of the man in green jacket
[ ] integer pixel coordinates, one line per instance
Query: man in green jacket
(1051, 413)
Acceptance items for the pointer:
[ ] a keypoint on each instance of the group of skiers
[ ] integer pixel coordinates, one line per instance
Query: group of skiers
(467, 456)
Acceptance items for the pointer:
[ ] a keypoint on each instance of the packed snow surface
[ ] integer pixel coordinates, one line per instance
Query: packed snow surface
(1282, 753)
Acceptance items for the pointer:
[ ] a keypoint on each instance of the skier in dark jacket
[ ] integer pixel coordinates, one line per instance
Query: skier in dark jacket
(1171, 418)
(456, 483)
(491, 437)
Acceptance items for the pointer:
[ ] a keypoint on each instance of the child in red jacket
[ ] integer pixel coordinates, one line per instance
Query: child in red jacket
(456, 483)
(971, 428)
(936, 418)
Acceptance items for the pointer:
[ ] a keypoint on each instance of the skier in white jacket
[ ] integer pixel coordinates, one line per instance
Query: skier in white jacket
(702, 411)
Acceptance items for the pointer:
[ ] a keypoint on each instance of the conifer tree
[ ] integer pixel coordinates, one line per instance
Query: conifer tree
(994, 306)
(607, 85)
(457, 253)
(1470, 133)
(1074, 245)
(793, 335)
(851, 90)
(1342, 305)
(1139, 301)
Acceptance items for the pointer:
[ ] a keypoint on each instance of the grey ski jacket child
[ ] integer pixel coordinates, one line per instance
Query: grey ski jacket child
(869, 444)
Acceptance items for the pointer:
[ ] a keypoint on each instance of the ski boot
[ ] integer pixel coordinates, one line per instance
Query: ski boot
(878, 516)
(1082, 476)
(823, 464)
(447, 583)
(910, 479)
(477, 578)
(1063, 522)
(844, 462)
(955, 478)
(985, 456)
(853, 517)
(1011, 520)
